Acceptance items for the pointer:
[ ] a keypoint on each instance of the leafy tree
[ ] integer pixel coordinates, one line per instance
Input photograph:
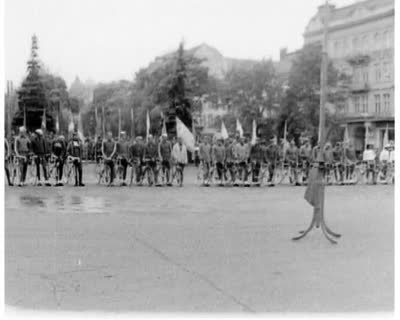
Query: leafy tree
(301, 105)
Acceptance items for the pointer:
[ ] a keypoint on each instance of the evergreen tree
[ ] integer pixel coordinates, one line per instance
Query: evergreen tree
(32, 96)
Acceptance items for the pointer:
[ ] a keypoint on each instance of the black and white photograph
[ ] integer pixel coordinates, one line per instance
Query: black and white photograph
(198, 158)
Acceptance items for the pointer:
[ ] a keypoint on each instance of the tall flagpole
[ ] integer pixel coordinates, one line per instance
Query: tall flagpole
(103, 122)
(132, 124)
(315, 192)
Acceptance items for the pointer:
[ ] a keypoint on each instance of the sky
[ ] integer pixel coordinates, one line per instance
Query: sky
(106, 40)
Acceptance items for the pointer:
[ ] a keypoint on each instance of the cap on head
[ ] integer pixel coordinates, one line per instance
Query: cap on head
(39, 131)
(164, 135)
(22, 129)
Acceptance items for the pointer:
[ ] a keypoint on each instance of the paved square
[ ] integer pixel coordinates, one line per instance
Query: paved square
(197, 249)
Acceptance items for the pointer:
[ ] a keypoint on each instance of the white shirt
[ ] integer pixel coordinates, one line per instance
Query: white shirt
(369, 155)
(179, 153)
(384, 156)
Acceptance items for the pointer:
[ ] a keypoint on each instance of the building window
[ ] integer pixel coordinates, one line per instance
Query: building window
(365, 44)
(365, 103)
(386, 102)
(355, 44)
(357, 104)
(377, 41)
(378, 72)
(357, 75)
(365, 75)
(386, 39)
(386, 71)
(377, 103)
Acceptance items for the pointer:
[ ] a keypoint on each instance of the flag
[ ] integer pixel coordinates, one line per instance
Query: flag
(119, 123)
(386, 137)
(184, 133)
(254, 134)
(239, 128)
(315, 191)
(44, 119)
(147, 125)
(224, 132)
(57, 123)
(346, 134)
(164, 128)
(71, 125)
(132, 124)
(80, 128)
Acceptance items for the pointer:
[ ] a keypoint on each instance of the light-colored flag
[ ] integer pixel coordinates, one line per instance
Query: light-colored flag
(254, 133)
(147, 125)
(71, 125)
(366, 137)
(239, 128)
(57, 123)
(44, 120)
(386, 137)
(164, 128)
(224, 132)
(80, 128)
(184, 133)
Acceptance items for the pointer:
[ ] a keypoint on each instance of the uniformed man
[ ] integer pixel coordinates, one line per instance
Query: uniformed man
(123, 155)
(230, 159)
(272, 158)
(109, 150)
(350, 160)
(338, 155)
(151, 156)
(256, 157)
(218, 158)
(164, 154)
(39, 149)
(136, 152)
(292, 156)
(74, 150)
(59, 149)
(22, 148)
(205, 158)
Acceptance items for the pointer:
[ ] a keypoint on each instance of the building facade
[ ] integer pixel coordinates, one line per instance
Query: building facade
(361, 45)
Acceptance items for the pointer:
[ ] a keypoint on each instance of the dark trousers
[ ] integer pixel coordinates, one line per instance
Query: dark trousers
(110, 164)
(255, 168)
(166, 167)
(7, 173)
(23, 167)
(78, 171)
(220, 170)
(138, 169)
(60, 168)
(124, 164)
(271, 170)
(41, 160)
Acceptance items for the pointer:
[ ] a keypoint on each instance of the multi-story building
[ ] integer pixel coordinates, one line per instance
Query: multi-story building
(361, 44)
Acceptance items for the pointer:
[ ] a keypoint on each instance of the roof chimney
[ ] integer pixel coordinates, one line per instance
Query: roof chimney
(283, 53)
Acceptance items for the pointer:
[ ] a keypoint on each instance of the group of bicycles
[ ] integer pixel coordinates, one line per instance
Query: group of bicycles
(293, 173)
(16, 166)
(151, 172)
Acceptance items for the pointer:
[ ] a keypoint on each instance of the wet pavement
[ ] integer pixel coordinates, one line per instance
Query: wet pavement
(196, 249)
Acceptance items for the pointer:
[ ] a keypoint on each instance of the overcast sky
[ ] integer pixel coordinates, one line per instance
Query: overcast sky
(108, 40)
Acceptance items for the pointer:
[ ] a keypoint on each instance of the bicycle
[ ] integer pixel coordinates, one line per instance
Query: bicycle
(148, 172)
(179, 174)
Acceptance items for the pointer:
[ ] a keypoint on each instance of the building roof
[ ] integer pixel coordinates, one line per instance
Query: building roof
(356, 12)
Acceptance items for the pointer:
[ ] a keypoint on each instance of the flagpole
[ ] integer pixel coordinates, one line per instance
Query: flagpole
(119, 123)
(103, 122)
(132, 125)
(315, 192)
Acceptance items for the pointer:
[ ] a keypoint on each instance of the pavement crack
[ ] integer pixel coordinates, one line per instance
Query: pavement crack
(194, 273)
